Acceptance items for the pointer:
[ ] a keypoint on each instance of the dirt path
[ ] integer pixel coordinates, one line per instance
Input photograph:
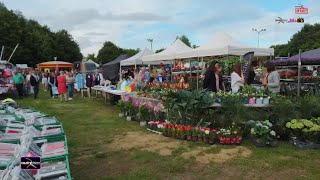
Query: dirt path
(166, 146)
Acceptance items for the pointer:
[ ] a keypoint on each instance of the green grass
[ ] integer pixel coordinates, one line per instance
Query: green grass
(91, 125)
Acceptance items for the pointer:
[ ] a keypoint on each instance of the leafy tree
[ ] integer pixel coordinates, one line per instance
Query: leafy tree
(306, 39)
(92, 57)
(185, 40)
(131, 52)
(37, 43)
(160, 50)
(108, 52)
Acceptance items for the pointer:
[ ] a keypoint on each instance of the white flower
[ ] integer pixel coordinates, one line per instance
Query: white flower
(252, 131)
(207, 132)
(269, 124)
(273, 133)
(259, 124)
(266, 127)
(160, 126)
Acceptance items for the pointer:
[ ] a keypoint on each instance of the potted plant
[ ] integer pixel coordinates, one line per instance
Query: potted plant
(143, 115)
(259, 98)
(212, 136)
(262, 134)
(195, 133)
(200, 134)
(121, 106)
(189, 133)
(129, 110)
(206, 135)
(222, 136)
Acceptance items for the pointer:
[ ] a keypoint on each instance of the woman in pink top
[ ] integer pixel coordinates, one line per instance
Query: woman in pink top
(62, 85)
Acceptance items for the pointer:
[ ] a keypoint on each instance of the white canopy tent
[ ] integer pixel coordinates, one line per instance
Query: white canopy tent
(224, 44)
(136, 59)
(91, 61)
(169, 54)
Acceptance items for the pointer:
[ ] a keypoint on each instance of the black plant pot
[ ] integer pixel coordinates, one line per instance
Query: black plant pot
(258, 142)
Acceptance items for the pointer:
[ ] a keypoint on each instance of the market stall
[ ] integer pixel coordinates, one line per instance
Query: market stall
(54, 65)
(136, 59)
(111, 69)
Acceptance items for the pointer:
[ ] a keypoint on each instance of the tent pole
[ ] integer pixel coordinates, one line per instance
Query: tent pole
(198, 74)
(299, 73)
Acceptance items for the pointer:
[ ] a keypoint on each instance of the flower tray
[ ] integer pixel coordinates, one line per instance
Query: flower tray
(306, 144)
(153, 131)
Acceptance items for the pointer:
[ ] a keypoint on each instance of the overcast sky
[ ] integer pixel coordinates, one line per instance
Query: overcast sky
(129, 23)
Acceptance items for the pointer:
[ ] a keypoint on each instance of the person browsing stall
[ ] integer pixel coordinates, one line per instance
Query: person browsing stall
(236, 78)
(273, 78)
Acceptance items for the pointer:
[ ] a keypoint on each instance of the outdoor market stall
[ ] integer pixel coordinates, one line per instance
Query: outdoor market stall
(136, 59)
(54, 65)
(111, 69)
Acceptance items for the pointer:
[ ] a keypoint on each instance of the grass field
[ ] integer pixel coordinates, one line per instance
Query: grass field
(104, 146)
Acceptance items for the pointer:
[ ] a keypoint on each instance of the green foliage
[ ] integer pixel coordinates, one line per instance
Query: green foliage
(305, 129)
(227, 64)
(188, 107)
(306, 39)
(263, 130)
(160, 50)
(37, 43)
(121, 105)
(92, 57)
(110, 51)
(143, 113)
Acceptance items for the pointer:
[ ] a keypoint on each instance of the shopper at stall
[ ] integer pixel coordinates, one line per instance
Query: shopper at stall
(236, 78)
(80, 81)
(211, 80)
(34, 82)
(218, 74)
(147, 76)
(18, 80)
(62, 88)
(70, 83)
(273, 78)
(251, 76)
(89, 83)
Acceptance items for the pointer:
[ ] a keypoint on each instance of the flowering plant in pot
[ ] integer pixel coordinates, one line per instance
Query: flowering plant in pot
(143, 115)
(129, 110)
(307, 130)
(236, 137)
(262, 134)
(195, 133)
(121, 106)
(212, 136)
(189, 132)
(206, 135)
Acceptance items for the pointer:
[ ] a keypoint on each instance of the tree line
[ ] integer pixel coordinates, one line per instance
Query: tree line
(37, 43)
(306, 39)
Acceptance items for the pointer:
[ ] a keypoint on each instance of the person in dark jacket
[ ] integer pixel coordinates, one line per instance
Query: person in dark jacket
(34, 81)
(212, 80)
(52, 82)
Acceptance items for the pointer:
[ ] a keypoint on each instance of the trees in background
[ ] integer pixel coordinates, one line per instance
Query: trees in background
(37, 43)
(110, 51)
(306, 39)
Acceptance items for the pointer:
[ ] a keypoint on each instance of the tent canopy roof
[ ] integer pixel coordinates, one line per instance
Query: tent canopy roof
(136, 59)
(312, 55)
(118, 59)
(55, 63)
(224, 44)
(169, 53)
(91, 61)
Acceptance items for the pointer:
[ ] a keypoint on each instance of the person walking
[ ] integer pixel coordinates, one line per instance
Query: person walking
(18, 80)
(70, 83)
(62, 86)
(34, 81)
(52, 82)
(44, 81)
